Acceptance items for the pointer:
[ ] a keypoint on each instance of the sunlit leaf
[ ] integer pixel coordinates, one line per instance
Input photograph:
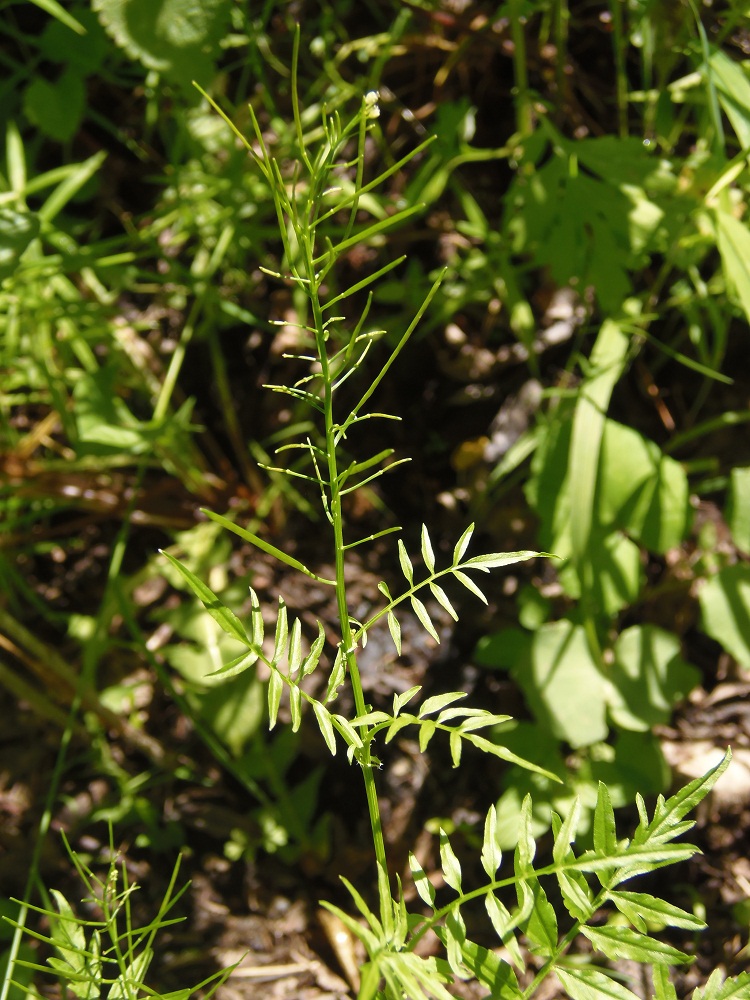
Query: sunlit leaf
(422, 884)
(406, 567)
(462, 545)
(469, 584)
(225, 618)
(449, 862)
(492, 856)
(275, 686)
(326, 726)
(438, 701)
(442, 598)
(395, 630)
(427, 552)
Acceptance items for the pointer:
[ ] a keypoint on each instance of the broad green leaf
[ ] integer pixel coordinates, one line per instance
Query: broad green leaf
(738, 508)
(225, 618)
(442, 598)
(326, 726)
(622, 942)
(641, 490)
(725, 610)
(607, 362)
(449, 863)
(427, 552)
(469, 584)
(406, 566)
(648, 677)
(180, 39)
(264, 546)
(275, 686)
(562, 684)
(438, 701)
(588, 983)
(492, 856)
(395, 630)
(733, 88)
(422, 884)
(56, 108)
(642, 909)
(462, 545)
(734, 247)
(421, 612)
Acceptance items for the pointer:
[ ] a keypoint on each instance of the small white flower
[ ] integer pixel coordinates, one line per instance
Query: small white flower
(371, 104)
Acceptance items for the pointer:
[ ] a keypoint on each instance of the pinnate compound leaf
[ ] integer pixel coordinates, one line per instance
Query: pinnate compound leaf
(641, 909)
(326, 726)
(406, 567)
(589, 984)
(422, 884)
(395, 630)
(492, 856)
(487, 746)
(427, 551)
(718, 988)
(469, 584)
(225, 618)
(449, 862)
(622, 942)
(421, 612)
(462, 545)
(666, 823)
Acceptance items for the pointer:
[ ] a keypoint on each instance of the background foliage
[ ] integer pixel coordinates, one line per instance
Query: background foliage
(582, 373)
